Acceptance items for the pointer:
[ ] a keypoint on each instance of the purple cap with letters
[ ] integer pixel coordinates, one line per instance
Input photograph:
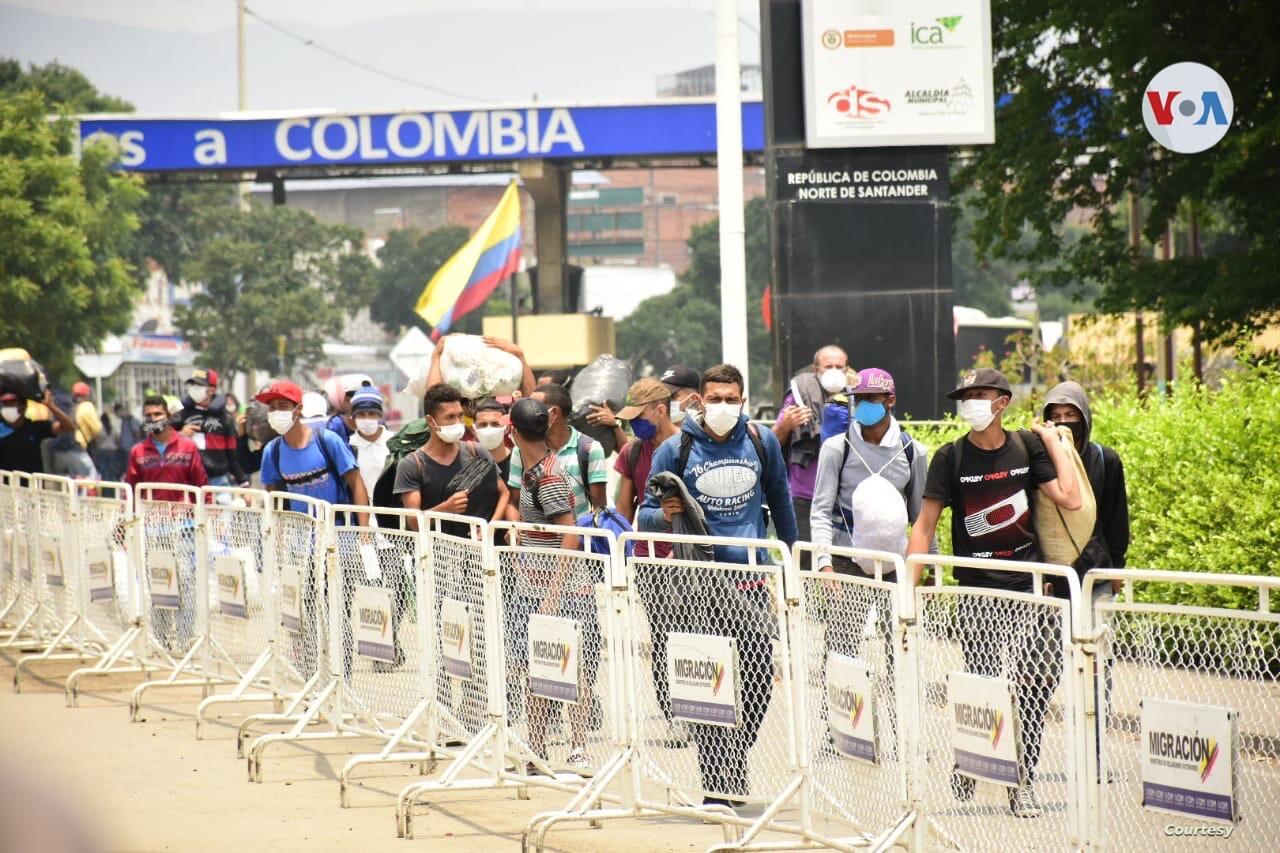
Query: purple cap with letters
(873, 380)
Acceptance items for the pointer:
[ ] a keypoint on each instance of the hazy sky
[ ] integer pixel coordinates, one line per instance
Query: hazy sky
(178, 56)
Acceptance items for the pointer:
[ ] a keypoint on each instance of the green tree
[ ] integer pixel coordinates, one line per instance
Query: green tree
(66, 235)
(684, 325)
(408, 260)
(271, 272)
(176, 220)
(1062, 145)
(63, 88)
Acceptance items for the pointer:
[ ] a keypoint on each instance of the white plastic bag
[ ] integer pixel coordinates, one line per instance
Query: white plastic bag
(879, 519)
(478, 370)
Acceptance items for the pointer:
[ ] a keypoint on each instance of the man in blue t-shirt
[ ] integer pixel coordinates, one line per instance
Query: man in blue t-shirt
(304, 460)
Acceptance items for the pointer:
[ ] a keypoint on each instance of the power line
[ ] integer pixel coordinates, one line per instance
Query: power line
(363, 66)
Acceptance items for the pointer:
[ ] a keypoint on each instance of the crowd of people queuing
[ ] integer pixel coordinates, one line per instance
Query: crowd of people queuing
(835, 449)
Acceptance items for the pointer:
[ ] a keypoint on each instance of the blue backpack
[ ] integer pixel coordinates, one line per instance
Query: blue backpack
(606, 518)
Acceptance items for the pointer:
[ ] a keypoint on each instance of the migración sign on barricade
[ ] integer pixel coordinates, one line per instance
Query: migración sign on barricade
(556, 694)
(999, 762)
(98, 569)
(855, 695)
(1187, 702)
(298, 561)
(450, 663)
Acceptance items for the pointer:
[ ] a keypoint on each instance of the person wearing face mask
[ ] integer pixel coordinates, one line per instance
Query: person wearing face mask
(307, 460)
(683, 383)
(20, 438)
(744, 471)
(1068, 405)
(164, 455)
(491, 433)
(206, 421)
(985, 477)
(425, 477)
(799, 426)
(369, 441)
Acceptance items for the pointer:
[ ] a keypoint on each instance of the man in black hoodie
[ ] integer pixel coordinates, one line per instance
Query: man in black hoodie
(205, 420)
(1067, 405)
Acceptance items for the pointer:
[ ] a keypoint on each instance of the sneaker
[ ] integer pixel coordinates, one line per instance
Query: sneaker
(531, 769)
(962, 786)
(1023, 802)
(723, 801)
(579, 762)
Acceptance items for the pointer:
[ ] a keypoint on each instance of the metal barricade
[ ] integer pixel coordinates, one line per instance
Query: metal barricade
(9, 590)
(174, 598)
(54, 551)
(28, 617)
(855, 691)
(241, 618)
(1000, 753)
(1188, 709)
(384, 639)
(556, 700)
(303, 580)
(109, 595)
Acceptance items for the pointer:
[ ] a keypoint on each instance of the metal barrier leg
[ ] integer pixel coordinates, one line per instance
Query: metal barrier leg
(289, 715)
(48, 653)
(107, 665)
(135, 701)
(388, 754)
(297, 733)
(239, 694)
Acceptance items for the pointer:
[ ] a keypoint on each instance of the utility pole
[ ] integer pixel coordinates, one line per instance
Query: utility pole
(1135, 241)
(242, 89)
(733, 249)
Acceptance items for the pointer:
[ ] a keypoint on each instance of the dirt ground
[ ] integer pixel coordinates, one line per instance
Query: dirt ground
(150, 786)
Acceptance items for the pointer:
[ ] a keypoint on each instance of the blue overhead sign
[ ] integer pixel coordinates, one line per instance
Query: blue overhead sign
(448, 136)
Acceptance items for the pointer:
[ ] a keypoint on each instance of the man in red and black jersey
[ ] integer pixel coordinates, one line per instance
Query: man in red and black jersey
(986, 478)
(206, 421)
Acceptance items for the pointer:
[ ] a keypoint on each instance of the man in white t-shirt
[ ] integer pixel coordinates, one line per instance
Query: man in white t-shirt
(369, 441)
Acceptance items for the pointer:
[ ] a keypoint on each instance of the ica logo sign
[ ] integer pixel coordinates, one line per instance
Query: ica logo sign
(1187, 107)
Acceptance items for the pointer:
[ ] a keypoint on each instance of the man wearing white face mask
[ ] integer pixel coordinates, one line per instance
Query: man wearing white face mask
(986, 477)
(799, 426)
(425, 478)
(369, 441)
(491, 432)
(20, 438)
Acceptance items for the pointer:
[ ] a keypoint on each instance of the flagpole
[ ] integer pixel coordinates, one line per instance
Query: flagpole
(515, 310)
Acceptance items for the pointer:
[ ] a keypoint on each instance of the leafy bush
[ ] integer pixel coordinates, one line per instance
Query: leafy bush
(1200, 467)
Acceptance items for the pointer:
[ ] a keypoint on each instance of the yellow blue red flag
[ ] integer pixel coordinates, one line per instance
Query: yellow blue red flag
(465, 281)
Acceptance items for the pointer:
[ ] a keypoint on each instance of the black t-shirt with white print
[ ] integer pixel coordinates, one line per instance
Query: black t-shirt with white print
(990, 504)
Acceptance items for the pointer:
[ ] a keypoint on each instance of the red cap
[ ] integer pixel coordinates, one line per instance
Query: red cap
(202, 376)
(81, 389)
(9, 397)
(281, 389)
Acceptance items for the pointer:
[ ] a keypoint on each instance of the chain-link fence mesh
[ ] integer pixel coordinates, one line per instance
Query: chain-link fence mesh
(169, 606)
(711, 673)
(296, 553)
(9, 592)
(27, 622)
(462, 659)
(1207, 656)
(240, 625)
(380, 653)
(1015, 639)
(556, 622)
(102, 511)
(57, 581)
(844, 643)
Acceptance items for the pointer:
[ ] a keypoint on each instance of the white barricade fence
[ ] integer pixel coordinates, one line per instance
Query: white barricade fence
(556, 699)
(385, 642)
(241, 618)
(303, 581)
(449, 660)
(174, 600)
(855, 692)
(1188, 707)
(9, 589)
(1001, 729)
(53, 546)
(109, 592)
